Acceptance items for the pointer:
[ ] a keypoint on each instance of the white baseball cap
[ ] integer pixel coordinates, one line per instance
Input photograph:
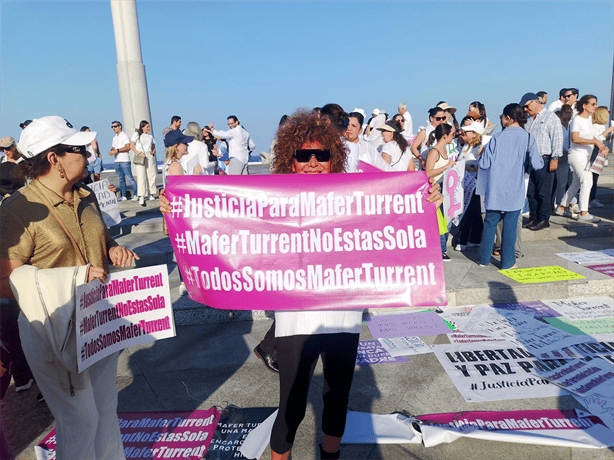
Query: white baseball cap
(475, 126)
(46, 132)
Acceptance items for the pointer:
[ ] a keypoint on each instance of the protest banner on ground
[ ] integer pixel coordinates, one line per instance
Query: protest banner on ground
(468, 337)
(454, 191)
(233, 428)
(494, 371)
(606, 269)
(405, 346)
(372, 352)
(541, 274)
(148, 435)
(587, 257)
(536, 308)
(599, 406)
(132, 307)
(107, 202)
(585, 308)
(406, 325)
(584, 326)
(301, 241)
(566, 428)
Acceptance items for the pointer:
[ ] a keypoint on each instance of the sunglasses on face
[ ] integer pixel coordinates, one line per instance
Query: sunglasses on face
(76, 149)
(304, 155)
(114, 126)
(526, 106)
(441, 118)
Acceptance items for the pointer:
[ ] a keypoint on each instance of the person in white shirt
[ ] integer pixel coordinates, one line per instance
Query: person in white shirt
(556, 105)
(395, 151)
(366, 152)
(197, 161)
(239, 146)
(143, 145)
(408, 127)
(372, 134)
(120, 150)
(582, 141)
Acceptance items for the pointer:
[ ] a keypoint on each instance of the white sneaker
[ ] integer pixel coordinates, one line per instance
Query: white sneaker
(122, 198)
(588, 218)
(526, 214)
(142, 200)
(574, 208)
(134, 198)
(563, 212)
(25, 387)
(460, 247)
(595, 204)
(182, 289)
(151, 198)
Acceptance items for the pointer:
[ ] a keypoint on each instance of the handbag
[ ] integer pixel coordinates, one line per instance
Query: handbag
(138, 159)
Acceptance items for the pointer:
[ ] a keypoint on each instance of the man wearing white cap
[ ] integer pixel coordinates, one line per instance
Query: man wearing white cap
(54, 223)
(372, 134)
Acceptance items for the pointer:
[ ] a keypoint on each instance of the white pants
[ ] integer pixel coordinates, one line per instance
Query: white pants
(236, 168)
(86, 424)
(146, 177)
(582, 180)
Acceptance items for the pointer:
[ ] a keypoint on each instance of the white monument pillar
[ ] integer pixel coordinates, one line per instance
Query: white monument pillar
(130, 68)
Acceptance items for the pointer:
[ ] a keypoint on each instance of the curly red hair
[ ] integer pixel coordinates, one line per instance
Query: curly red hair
(305, 127)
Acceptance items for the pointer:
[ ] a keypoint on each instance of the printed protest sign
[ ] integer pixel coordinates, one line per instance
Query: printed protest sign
(566, 428)
(132, 307)
(405, 346)
(494, 371)
(541, 274)
(584, 326)
(456, 316)
(584, 377)
(469, 183)
(599, 406)
(365, 167)
(405, 325)
(148, 435)
(536, 308)
(372, 352)
(606, 269)
(587, 257)
(585, 308)
(523, 330)
(453, 191)
(306, 242)
(107, 202)
(467, 337)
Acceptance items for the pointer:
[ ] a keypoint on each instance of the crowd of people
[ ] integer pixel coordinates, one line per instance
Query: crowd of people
(540, 159)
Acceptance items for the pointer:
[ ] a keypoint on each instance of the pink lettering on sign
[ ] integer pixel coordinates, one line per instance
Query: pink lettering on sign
(306, 242)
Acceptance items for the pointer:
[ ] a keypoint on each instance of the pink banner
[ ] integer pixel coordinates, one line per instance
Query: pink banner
(145, 435)
(307, 242)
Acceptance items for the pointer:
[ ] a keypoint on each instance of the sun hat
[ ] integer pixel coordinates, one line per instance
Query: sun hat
(175, 137)
(475, 126)
(444, 106)
(6, 142)
(47, 132)
(390, 125)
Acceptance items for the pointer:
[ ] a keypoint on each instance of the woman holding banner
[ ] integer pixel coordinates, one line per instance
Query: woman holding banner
(504, 157)
(55, 222)
(309, 143)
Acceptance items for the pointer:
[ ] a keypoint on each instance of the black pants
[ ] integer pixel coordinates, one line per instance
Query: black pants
(471, 225)
(268, 343)
(540, 191)
(297, 356)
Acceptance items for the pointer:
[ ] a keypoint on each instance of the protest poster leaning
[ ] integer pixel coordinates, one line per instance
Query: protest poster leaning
(107, 202)
(146, 435)
(494, 371)
(306, 242)
(132, 307)
(454, 191)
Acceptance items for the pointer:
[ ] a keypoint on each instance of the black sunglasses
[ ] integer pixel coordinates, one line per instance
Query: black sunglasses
(76, 149)
(114, 126)
(304, 155)
(441, 118)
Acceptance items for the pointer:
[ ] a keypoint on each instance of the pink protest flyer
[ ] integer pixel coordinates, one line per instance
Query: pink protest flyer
(147, 435)
(307, 242)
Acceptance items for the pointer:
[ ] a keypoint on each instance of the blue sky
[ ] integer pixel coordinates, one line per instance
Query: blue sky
(259, 60)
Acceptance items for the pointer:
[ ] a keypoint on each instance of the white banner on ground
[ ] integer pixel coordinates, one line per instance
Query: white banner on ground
(494, 371)
(566, 428)
(133, 307)
(586, 308)
(600, 406)
(405, 346)
(522, 329)
(587, 257)
(453, 191)
(580, 376)
(457, 316)
(107, 202)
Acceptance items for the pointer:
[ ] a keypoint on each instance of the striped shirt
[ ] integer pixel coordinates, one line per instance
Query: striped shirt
(548, 132)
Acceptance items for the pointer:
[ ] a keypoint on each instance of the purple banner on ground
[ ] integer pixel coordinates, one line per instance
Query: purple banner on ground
(306, 242)
(372, 352)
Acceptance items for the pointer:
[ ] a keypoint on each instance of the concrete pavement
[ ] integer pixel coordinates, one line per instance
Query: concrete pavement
(211, 362)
